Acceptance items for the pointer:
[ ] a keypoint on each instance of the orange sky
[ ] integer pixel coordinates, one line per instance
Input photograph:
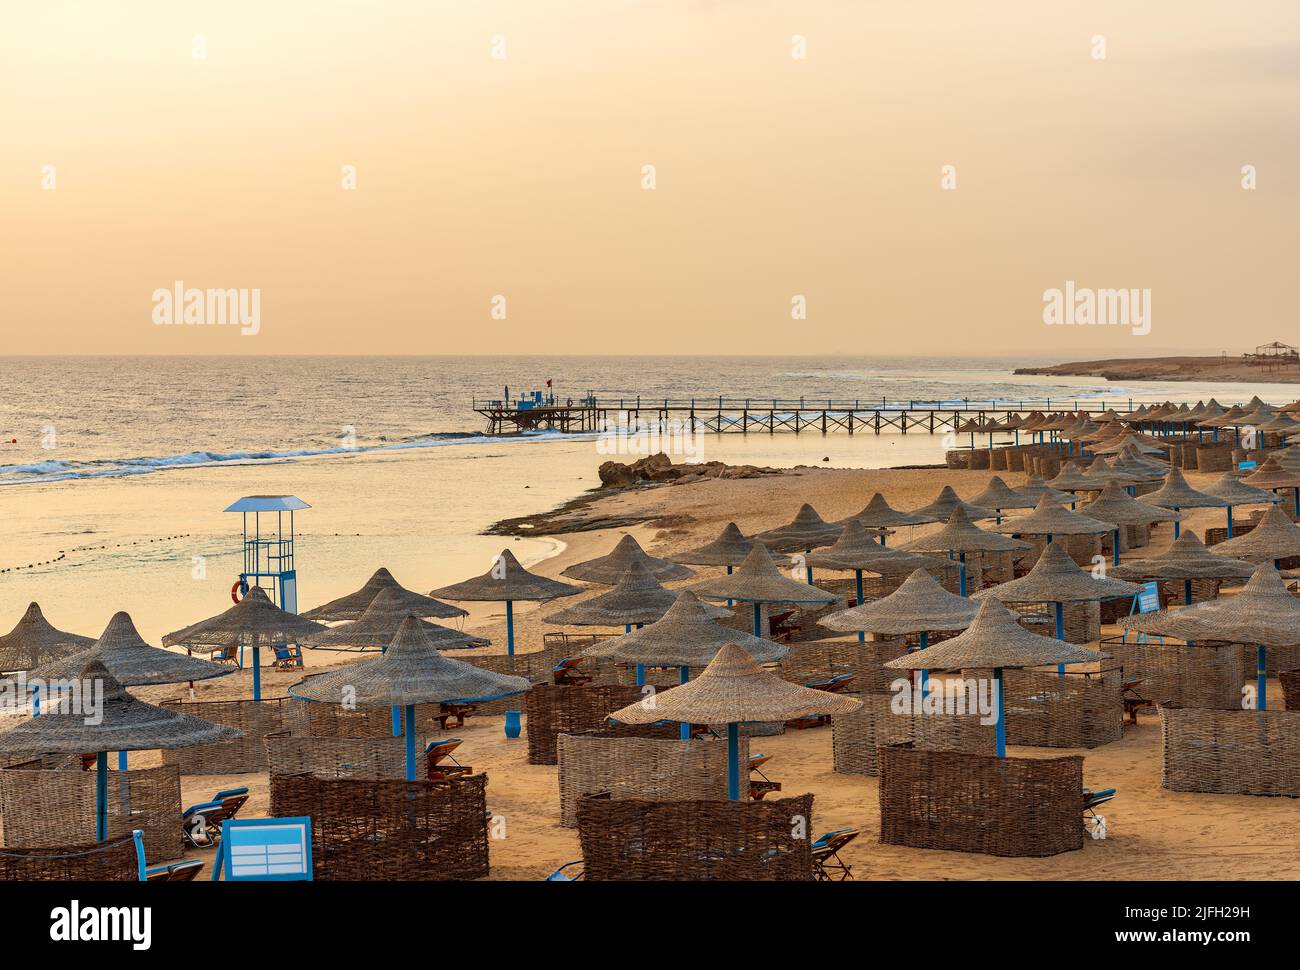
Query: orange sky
(522, 177)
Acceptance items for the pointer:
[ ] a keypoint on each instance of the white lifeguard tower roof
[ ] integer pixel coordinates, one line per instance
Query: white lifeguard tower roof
(268, 503)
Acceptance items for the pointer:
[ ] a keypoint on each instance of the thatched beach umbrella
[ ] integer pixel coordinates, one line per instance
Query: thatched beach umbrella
(351, 607)
(131, 661)
(961, 536)
(804, 533)
(34, 641)
(1177, 494)
(253, 622)
(1100, 472)
(1187, 560)
(375, 629)
(1264, 613)
(1273, 476)
(507, 582)
(728, 549)
(1119, 509)
(941, 509)
(122, 723)
(1236, 492)
(410, 672)
(998, 496)
(995, 641)
(919, 605)
(1049, 519)
(857, 549)
(734, 690)
(636, 599)
(1072, 479)
(609, 569)
(879, 515)
(1057, 579)
(1036, 488)
(1273, 539)
(758, 581)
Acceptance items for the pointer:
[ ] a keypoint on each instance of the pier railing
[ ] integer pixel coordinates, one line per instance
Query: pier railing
(642, 402)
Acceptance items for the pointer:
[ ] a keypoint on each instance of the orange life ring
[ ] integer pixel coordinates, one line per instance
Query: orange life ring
(235, 590)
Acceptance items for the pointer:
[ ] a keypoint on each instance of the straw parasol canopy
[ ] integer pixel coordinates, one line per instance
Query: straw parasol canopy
(1177, 494)
(1072, 479)
(806, 530)
(351, 607)
(1272, 475)
(757, 580)
(253, 621)
(1236, 492)
(686, 636)
(1187, 558)
(378, 625)
(1227, 419)
(879, 514)
(962, 535)
(856, 549)
(1117, 507)
(1036, 488)
(729, 549)
(1056, 578)
(1142, 443)
(126, 723)
(131, 661)
(995, 640)
(1100, 472)
(607, 570)
(941, 509)
(1263, 613)
(1280, 424)
(411, 671)
(997, 495)
(1050, 519)
(733, 689)
(33, 642)
(1274, 537)
(636, 598)
(918, 604)
(507, 580)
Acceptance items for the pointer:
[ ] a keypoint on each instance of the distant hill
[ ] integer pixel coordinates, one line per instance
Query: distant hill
(1217, 368)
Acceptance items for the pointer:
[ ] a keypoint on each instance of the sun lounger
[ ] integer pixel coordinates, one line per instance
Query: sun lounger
(566, 672)
(827, 863)
(836, 685)
(435, 752)
(225, 655)
(783, 626)
(288, 658)
(201, 824)
(762, 785)
(573, 875)
(1133, 700)
(454, 712)
(183, 871)
(1093, 822)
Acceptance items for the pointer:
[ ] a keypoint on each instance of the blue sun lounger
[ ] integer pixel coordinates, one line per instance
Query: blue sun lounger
(201, 824)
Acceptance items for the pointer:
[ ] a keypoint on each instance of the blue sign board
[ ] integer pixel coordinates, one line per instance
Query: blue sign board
(262, 849)
(1149, 598)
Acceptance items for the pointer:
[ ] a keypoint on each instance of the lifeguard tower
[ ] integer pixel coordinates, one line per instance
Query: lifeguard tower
(268, 553)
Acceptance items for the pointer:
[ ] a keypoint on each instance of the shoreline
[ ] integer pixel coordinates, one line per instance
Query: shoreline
(1228, 369)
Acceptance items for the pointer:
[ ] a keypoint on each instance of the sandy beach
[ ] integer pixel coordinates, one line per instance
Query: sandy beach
(1153, 833)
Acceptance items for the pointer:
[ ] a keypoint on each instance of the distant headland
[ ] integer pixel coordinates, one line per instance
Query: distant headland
(1273, 363)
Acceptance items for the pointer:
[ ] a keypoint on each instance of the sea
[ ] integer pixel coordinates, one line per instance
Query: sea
(115, 471)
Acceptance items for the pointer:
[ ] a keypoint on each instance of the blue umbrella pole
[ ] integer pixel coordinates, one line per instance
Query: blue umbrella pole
(729, 569)
(121, 761)
(101, 796)
(862, 637)
(257, 673)
(640, 675)
(807, 566)
(1261, 677)
(510, 628)
(733, 762)
(925, 674)
(1001, 731)
(1059, 609)
(758, 619)
(36, 702)
(1114, 550)
(1176, 526)
(397, 722)
(1187, 592)
(961, 558)
(410, 742)
(683, 675)
(1229, 521)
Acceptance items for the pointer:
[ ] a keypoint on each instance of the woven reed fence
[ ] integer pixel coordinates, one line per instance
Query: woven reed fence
(975, 803)
(1198, 676)
(84, 862)
(365, 758)
(552, 711)
(1237, 752)
(625, 674)
(1079, 710)
(820, 659)
(1279, 660)
(335, 721)
(857, 736)
(638, 840)
(256, 719)
(655, 769)
(51, 808)
(390, 831)
(1290, 689)
(538, 666)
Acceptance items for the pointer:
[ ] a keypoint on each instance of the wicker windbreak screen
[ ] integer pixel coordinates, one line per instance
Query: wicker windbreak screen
(1197, 676)
(1231, 752)
(636, 840)
(369, 758)
(85, 862)
(256, 719)
(552, 711)
(857, 736)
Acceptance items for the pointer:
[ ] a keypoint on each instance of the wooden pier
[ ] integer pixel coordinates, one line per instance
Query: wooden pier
(723, 415)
